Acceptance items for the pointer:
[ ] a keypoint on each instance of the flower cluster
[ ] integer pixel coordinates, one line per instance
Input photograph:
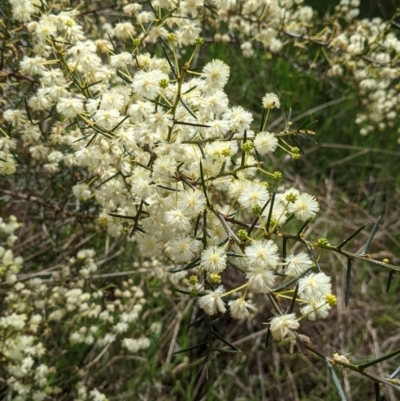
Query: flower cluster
(361, 52)
(161, 156)
(37, 315)
(165, 155)
(20, 348)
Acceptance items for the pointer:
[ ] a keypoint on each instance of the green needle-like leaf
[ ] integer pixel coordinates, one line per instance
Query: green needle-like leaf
(296, 289)
(348, 284)
(371, 236)
(182, 292)
(298, 145)
(163, 46)
(117, 126)
(312, 256)
(377, 392)
(211, 10)
(203, 185)
(382, 358)
(226, 351)
(197, 225)
(291, 282)
(264, 114)
(190, 90)
(389, 280)
(350, 237)
(123, 76)
(256, 219)
(243, 152)
(222, 168)
(270, 211)
(232, 347)
(121, 216)
(284, 249)
(191, 124)
(192, 264)
(188, 108)
(191, 348)
(303, 227)
(198, 320)
(268, 338)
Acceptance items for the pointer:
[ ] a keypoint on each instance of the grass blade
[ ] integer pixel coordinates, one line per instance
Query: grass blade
(395, 373)
(336, 381)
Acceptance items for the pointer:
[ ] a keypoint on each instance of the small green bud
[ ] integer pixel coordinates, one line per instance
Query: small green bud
(102, 221)
(331, 299)
(199, 41)
(247, 147)
(226, 152)
(291, 197)
(215, 278)
(277, 175)
(265, 184)
(136, 42)
(323, 242)
(193, 280)
(164, 83)
(257, 210)
(172, 37)
(193, 293)
(274, 223)
(296, 156)
(69, 22)
(242, 234)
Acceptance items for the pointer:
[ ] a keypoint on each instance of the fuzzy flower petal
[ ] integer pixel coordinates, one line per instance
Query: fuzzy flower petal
(283, 326)
(212, 302)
